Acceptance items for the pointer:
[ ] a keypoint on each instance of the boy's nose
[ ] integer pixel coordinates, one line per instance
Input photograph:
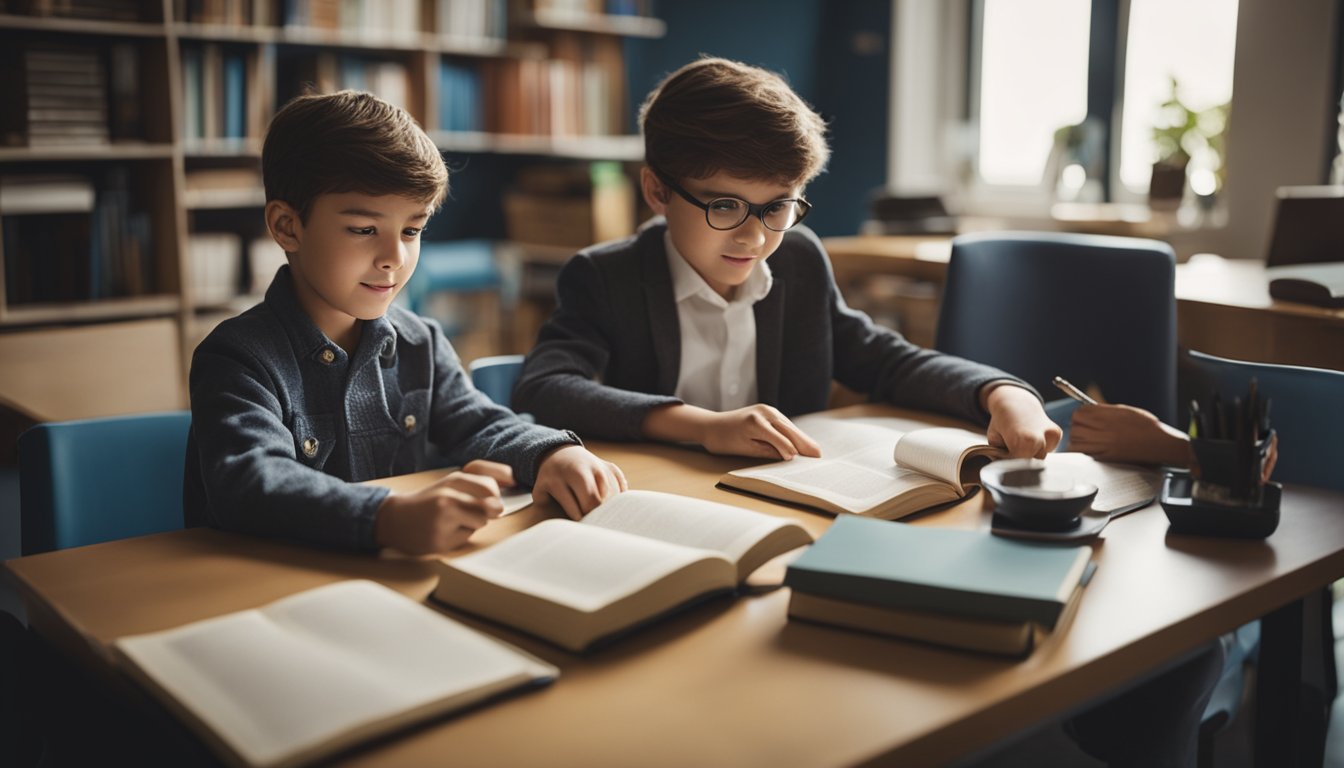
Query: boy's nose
(392, 256)
(750, 232)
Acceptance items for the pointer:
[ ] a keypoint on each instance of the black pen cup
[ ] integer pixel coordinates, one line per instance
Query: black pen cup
(1230, 471)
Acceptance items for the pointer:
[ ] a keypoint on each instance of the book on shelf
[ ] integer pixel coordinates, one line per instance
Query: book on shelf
(216, 260)
(953, 572)
(637, 556)
(890, 468)
(45, 193)
(320, 671)
(67, 95)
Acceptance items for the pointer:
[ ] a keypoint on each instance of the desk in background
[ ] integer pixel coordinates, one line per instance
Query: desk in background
(730, 682)
(1223, 306)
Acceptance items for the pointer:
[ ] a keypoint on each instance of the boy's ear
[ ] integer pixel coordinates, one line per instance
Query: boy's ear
(284, 224)
(655, 192)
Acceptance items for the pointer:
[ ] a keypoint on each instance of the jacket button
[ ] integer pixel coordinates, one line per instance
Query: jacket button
(328, 356)
(409, 421)
(310, 447)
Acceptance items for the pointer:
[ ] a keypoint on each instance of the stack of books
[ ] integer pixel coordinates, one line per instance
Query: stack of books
(963, 589)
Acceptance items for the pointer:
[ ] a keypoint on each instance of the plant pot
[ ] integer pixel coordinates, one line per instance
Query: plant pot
(1167, 186)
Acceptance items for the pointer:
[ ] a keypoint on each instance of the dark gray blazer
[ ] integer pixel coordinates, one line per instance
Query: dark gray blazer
(612, 350)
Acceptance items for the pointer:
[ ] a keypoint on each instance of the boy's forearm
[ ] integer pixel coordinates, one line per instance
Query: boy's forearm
(676, 424)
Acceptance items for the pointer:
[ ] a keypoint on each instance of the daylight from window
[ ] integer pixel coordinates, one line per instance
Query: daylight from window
(1033, 81)
(1192, 41)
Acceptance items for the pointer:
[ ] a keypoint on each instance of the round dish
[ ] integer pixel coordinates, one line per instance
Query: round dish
(1033, 494)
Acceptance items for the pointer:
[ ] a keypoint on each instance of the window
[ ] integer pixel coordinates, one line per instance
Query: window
(1035, 67)
(1032, 77)
(1192, 42)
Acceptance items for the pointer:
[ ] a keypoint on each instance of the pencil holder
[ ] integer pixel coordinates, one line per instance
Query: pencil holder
(1227, 472)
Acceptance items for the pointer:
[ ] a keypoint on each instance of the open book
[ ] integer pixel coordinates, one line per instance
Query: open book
(316, 672)
(889, 468)
(638, 555)
(859, 472)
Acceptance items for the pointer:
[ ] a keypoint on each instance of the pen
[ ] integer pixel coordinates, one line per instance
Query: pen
(1072, 391)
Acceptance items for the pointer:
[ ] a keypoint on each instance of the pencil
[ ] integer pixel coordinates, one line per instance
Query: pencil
(1072, 391)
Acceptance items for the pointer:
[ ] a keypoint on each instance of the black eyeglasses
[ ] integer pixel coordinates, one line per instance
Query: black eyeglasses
(724, 213)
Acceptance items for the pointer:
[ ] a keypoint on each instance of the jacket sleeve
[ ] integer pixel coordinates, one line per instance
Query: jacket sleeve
(255, 479)
(467, 425)
(561, 380)
(884, 364)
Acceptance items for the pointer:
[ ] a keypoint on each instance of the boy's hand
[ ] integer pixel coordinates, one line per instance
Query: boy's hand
(757, 430)
(442, 516)
(1018, 422)
(577, 480)
(1128, 434)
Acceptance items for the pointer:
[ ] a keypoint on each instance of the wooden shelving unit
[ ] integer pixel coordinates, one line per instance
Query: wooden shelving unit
(201, 88)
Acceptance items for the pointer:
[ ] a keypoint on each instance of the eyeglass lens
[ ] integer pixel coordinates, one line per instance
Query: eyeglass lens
(729, 212)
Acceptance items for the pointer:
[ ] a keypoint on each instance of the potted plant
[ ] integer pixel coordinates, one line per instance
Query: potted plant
(1182, 134)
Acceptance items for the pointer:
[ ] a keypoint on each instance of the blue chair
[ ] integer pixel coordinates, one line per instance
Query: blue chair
(458, 266)
(1095, 310)
(92, 480)
(1307, 417)
(495, 376)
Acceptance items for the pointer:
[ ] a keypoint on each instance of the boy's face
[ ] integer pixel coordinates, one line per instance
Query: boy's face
(352, 257)
(724, 258)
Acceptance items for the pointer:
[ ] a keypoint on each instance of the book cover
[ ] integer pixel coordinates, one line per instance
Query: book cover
(941, 570)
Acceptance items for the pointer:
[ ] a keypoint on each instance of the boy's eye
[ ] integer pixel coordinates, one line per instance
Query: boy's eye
(363, 230)
(412, 231)
(725, 204)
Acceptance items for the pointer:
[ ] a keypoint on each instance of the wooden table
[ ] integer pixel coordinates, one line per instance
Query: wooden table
(1223, 306)
(730, 682)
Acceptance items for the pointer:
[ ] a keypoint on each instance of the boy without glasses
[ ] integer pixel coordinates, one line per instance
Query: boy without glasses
(686, 333)
(325, 383)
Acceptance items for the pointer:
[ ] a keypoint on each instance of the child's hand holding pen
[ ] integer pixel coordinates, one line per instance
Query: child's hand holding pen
(1123, 433)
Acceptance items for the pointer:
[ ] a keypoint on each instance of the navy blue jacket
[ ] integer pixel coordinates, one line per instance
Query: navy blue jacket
(612, 350)
(284, 423)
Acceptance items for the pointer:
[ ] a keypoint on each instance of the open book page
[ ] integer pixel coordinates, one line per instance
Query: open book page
(946, 453)
(1120, 487)
(729, 530)
(854, 474)
(323, 669)
(584, 567)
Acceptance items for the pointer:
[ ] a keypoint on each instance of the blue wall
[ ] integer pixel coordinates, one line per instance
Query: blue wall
(835, 55)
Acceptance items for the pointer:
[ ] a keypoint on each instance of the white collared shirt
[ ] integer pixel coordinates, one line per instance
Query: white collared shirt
(718, 336)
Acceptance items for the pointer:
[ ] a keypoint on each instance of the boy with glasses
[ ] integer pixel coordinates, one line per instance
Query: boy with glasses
(686, 333)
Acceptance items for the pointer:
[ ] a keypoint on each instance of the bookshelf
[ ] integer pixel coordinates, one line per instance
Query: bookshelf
(133, 137)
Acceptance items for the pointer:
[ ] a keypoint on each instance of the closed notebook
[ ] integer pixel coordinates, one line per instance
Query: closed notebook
(1002, 638)
(311, 674)
(637, 556)
(940, 570)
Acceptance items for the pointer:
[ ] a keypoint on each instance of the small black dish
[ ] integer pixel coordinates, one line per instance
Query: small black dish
(1033, 495)
(1193, 516)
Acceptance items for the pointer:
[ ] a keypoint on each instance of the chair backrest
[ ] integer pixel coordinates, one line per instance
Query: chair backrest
(495, 376)
(1305, 412)
(82, 482)
(1093, 309)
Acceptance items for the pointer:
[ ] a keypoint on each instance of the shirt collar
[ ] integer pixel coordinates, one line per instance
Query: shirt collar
(378, 337)
(686, 282)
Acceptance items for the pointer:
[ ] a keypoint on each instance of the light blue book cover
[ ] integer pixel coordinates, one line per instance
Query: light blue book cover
(942, 570)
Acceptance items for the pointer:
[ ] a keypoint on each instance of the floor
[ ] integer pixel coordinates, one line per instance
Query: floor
(1046, 747)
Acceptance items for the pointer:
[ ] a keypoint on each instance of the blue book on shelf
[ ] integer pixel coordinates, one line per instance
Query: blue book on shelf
(963, 573)
(235, 96)
(193, 122)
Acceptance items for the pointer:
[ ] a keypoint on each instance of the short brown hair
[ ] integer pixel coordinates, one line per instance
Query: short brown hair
(349, 141)
(717, 115)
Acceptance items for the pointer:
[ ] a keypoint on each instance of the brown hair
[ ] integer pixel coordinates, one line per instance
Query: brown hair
(348, 141)
(718, 115)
